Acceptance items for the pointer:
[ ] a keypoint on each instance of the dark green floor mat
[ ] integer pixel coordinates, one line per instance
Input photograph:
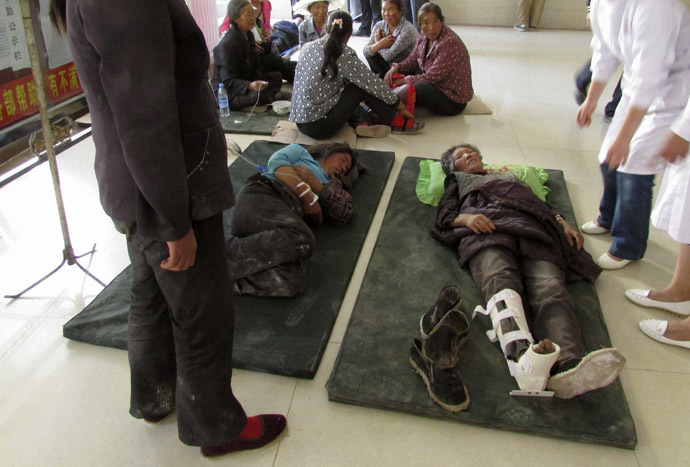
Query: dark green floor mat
(285, 336)
(406, 272)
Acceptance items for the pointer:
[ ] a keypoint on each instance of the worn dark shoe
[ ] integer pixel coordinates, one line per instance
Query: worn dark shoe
(273, 426)
(595, 370)
(442, 345)
(157, 418)
(448, 298)
(443, 386)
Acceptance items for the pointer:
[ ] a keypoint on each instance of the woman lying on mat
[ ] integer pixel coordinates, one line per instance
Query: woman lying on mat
(438, 68)
(331, 83)
(236, 62)
(270, 236)
(517, 247)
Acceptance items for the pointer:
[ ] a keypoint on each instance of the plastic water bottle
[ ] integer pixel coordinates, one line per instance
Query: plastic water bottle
(223, 103)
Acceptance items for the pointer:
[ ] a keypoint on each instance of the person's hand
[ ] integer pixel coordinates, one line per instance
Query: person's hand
(266, 35)
(674, 146)
(388, 78)
(584, 113)
(573, 237)
(402, 110)
(618, 153)
(385, 43)
(182, 253)
(379, 34)
(477, 223)
(312, 212)
(258, 85)
(259, 48)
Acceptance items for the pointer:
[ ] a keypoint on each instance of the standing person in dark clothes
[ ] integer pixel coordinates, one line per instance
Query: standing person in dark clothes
(162, 175)
(371, 14)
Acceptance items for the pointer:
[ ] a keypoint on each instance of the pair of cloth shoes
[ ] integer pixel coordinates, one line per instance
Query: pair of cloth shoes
(640, 297)
(435, 356)
(656, 328)
(595, 370)
(260, 431)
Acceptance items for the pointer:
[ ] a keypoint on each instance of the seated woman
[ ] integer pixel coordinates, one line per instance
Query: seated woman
(438, 67)
(330, 84)
(312, 28)
(236, 62)
(518, 249)
(270, 238)
(392, 40)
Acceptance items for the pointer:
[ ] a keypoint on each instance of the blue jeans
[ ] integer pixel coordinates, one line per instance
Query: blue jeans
(624, 209)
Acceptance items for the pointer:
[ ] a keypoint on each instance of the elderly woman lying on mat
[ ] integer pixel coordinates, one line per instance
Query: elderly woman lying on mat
(517, 247)
(270, 238)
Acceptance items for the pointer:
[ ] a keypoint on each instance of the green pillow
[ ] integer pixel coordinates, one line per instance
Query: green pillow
(430, 181)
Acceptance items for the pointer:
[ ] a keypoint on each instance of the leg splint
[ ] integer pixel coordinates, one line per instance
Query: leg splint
(531, 370)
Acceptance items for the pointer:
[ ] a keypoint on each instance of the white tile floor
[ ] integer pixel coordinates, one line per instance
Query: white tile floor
(65, 403)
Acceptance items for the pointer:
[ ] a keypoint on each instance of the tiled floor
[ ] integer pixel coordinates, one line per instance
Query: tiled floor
(65, 403)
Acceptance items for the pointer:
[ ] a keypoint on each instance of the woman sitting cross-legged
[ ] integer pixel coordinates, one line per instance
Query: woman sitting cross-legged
(236, 62)
(392, 40)
(438, 67)
(270, 236)
(331, 83)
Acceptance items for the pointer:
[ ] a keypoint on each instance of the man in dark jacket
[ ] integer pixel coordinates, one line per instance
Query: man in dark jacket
(162, 175)
(511, 240)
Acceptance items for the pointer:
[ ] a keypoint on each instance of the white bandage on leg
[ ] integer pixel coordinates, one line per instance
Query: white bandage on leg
(532, 370)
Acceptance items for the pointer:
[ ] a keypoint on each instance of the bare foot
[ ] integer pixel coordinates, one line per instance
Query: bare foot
(544, 347)
(678, 330)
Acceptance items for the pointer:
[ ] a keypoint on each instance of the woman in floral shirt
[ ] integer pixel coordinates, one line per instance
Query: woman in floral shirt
(438, 67)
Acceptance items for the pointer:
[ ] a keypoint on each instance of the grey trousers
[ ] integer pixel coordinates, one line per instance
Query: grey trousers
(180, 335)
(549, 307)
(269, 242)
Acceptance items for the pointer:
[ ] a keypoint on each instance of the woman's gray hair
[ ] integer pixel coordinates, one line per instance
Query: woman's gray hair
(447, 156)
(235, 9)
(430, 8)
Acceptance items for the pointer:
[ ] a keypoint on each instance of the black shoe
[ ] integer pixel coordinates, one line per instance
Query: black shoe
(273, 426)
(580, 96)
(447, 299)
(443, 386)
(362, 33)
(444, 329)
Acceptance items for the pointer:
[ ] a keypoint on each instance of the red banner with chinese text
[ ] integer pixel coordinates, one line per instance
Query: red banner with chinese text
(18, 97)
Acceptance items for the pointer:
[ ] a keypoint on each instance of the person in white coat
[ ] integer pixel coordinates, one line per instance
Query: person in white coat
(671, 213)
(652, 40)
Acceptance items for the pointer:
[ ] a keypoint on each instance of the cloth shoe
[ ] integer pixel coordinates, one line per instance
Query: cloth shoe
(362, 33)
(157, 418)
(655, 328)
(606, 262)
(372, 131)
(444, 329)
(444, 386)
(592, 228)
(400, 125)
(521, 27)
(596, 370)
(639, 297)
(272, 427)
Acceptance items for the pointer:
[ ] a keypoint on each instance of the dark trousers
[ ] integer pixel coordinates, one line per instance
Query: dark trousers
(624, 209)
(378, 65)
(432, 98)
(371, 14)
(583, 78)
(270, 241)
(272, 62)
(249, 98)
(180, 335)
(549, 307)
(347, 109)
(411, 9)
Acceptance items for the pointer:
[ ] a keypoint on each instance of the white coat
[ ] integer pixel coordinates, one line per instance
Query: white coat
(672, 209)
(652, 40)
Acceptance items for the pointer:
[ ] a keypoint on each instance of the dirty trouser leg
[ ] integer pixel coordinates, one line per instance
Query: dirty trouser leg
(180, 337)
(267, 233)
(494, 269)
(552, 309)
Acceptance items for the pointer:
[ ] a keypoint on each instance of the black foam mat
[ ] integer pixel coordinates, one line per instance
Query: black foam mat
(256, 124)
(285, 336)
(406, 272)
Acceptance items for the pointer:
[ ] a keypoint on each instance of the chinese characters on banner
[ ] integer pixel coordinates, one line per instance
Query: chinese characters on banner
(18, 94)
